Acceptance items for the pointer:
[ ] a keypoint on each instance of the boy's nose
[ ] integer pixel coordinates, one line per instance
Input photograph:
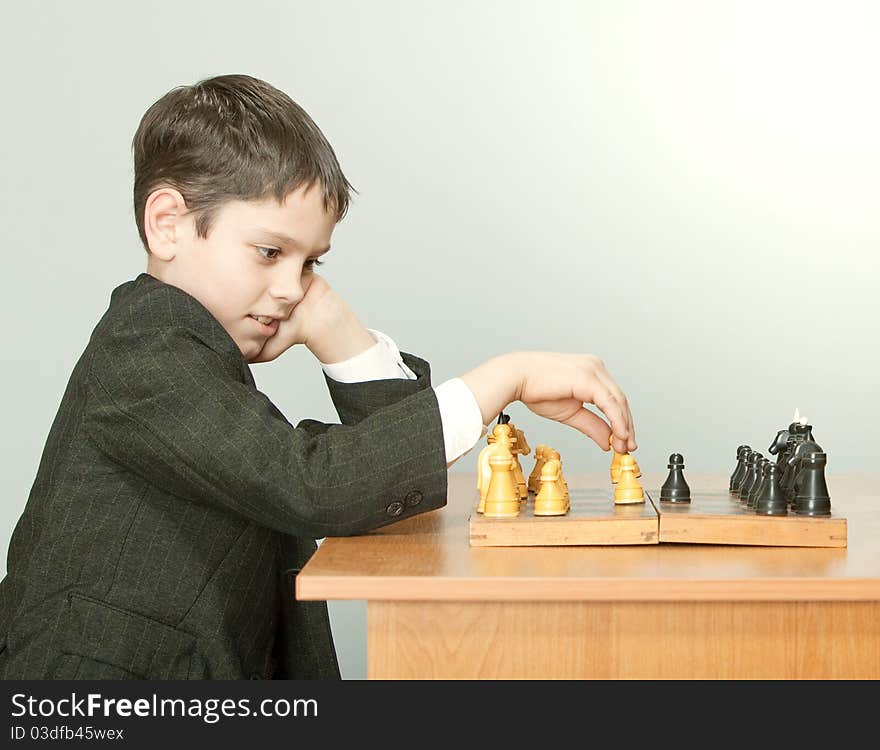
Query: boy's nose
(287, 291)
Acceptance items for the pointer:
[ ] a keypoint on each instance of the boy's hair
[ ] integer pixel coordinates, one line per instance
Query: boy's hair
(231, 137)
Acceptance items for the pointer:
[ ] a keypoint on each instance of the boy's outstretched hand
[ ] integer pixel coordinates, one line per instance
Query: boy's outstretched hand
(323, 322)
(553, 385)
(556, 386)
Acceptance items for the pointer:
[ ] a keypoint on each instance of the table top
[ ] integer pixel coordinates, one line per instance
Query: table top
(428, 558)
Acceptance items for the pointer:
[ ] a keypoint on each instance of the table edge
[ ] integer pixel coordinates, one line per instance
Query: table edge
(401, 588)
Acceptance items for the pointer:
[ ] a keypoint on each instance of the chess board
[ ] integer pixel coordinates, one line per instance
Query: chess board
(593, 518)
(712, 517)
(717, 517)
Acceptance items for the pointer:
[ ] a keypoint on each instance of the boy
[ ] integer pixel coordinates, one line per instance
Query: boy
(174, 503)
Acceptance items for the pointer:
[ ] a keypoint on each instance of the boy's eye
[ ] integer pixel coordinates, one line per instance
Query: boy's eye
(270, 253)
(264, 251)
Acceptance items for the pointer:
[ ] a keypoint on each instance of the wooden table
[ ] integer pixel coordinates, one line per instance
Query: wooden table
(438, 608)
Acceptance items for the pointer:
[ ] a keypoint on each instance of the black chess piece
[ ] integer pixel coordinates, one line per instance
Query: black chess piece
(770, 501)
(739, 468)
(795, 437)
(756, 488)
(675, 489)
(757, 478)
(748, 463)
(777, 447)
(811, 496)
(753, 476)
(793, 465)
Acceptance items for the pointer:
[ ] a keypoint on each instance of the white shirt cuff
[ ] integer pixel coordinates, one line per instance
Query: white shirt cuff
(461, 418)
(382, 361)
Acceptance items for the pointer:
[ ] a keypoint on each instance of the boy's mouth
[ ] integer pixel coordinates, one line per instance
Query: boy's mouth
(267, 325)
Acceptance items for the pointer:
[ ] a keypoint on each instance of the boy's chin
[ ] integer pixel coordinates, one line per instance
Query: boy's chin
(250, 351)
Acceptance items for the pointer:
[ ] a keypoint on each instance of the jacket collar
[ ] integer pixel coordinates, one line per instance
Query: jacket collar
(152, 303)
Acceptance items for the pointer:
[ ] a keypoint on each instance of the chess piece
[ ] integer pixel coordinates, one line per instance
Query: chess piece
(519, 447)
(811, 496)
(794, 437)
(785, 439)
(553, 454)
(748, 461)
(770, 501)
(551, 500)
(628, 490)
(803, 433)
(750, 474)
(614, 469)
(793, 464)
(777, 447)
(535, 476)
(675, 489)
(499, 440)
(747, 495)
(739, 468)
(521, 442)
(615, 463)
(502, 498)
(758, 485)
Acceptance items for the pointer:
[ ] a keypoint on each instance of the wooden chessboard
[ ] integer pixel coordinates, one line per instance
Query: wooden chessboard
(712, 517)
(717, 517)
(593, 518)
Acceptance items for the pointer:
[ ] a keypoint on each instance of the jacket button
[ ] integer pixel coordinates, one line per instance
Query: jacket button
(395, 508)
(413, 498)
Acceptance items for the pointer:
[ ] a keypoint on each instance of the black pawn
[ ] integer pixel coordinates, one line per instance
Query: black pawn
(753, 476)
(739, 468)
(756, 488)
(748, 462)
(770, 501)
(811, 496)
(675, 489)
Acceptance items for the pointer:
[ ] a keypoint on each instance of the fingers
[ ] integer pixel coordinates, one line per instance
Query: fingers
(630, 437)
(616, 414)
(617, 394)
(592, 425)
(557, 386)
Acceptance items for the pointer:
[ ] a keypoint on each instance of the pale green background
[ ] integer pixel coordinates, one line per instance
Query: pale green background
(687, 189)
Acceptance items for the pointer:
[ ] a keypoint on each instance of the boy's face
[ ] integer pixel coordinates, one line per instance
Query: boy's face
(243, 268)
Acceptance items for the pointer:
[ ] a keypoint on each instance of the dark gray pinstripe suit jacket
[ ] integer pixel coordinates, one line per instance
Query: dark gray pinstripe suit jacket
(174, 504)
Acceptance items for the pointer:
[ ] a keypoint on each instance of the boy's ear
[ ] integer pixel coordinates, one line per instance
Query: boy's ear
(163, 212)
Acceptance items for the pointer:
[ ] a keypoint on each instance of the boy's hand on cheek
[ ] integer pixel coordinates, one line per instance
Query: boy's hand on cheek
(294, 329)
(323, 322)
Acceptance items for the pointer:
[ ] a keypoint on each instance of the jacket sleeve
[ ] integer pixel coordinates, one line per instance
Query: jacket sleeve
(354, 401)
(171, 409)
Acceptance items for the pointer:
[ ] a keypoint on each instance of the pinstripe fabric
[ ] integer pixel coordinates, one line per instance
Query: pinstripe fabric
(174, 504)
